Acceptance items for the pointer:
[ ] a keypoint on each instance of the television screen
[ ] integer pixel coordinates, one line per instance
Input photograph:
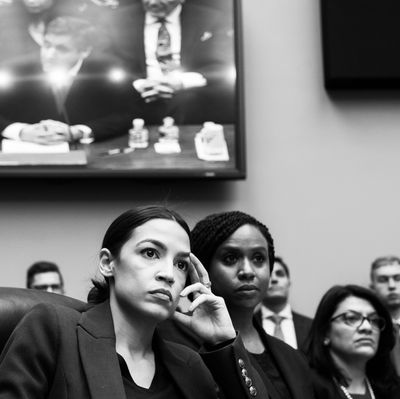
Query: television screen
(128, 88)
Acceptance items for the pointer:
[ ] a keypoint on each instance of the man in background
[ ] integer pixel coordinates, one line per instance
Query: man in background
(276, 314)
(385, 281)
(45, 276)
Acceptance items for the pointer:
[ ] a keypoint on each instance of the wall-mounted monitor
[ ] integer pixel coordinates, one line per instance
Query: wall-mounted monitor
(124, 88)
(361, 44)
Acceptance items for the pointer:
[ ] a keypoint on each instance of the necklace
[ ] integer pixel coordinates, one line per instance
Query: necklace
(347, 393)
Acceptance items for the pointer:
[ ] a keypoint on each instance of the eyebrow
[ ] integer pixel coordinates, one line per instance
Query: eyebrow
(161, 245)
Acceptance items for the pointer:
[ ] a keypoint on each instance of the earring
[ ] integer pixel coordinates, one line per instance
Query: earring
(326, 341)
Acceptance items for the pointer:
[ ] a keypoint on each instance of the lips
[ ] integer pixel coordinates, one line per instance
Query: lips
(247, 288)
(162, 294)
(367, 341)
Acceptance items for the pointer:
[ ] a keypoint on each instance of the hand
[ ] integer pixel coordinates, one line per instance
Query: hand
(39, 134)
(58, 129)
(208, 316)
(151, 90)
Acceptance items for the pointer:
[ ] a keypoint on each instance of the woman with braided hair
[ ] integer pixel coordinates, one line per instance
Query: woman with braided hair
(238, 252)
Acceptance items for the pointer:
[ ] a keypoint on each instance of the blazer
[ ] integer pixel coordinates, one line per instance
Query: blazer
(291, 363)
(326, 388)
(93, 99)
(207, 47)
(302, 325)
(58, 353)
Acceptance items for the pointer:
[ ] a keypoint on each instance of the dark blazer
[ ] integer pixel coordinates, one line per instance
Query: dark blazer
(291, 363)
(302, 325)
(58, 353)
(93, 99)
(207, 47)
(326, 388)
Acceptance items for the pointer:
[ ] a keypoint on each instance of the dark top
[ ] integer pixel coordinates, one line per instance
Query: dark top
(161, 387)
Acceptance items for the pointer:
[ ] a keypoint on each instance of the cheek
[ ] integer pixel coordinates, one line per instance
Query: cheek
(222, 279)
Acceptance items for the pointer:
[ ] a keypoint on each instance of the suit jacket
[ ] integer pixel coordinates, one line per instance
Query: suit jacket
(291, 363)
(207, 47)
(326, 388)
(58, 353)
(93, 99)
(302, 325)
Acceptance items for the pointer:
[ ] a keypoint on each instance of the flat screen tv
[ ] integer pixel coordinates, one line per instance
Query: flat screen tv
(124, 88)
(361, 44)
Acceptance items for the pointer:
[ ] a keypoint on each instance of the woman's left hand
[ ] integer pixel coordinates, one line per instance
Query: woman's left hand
(207, 315)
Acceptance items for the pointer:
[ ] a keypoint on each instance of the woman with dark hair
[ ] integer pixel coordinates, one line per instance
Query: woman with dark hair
(238, 252)
(349, 346)
(112, 350)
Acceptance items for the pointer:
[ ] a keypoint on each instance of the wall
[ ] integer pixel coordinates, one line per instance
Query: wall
(322, 173)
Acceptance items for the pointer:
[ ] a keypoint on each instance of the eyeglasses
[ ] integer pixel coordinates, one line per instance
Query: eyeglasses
(355, 319)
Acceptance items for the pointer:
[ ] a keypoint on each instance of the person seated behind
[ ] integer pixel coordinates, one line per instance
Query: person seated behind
(350, 342)
(112, 349)
(385, 282)
(238, 252)
(45, 276)
(66, 95)
(275, 312)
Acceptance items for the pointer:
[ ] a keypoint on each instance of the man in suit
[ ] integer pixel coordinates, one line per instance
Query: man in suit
(181, 56)
(385, 281)
(65, 95)
(45, 276)
(276, 314)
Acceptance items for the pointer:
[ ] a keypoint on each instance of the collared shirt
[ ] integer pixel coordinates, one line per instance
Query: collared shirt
(151, 28)
(287, 324)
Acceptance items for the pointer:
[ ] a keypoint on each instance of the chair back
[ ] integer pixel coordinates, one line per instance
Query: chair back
(16, 302)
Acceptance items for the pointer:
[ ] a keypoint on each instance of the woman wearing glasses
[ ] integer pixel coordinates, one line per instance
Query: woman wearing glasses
(349, 345)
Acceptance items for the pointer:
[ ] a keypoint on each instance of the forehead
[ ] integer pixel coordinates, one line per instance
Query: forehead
(247, 236)
(355, 303)
(167, 232)
(387, 270)
(46, 278)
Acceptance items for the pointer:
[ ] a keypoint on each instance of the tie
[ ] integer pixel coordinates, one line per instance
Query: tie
(396, 349)
(164, 52)
(278, 330)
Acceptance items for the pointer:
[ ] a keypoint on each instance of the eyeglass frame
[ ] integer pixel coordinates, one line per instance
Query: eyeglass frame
(362, 318)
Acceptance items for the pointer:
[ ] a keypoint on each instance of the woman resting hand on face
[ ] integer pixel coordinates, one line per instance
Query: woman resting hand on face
(112, 350)
(238, 252)
(349, 346)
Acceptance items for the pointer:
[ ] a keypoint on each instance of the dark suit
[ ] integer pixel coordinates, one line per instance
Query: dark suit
(302, 325)
(206, 47)
(58, 353)
(326, 388)
(290, 363)
(92, 100)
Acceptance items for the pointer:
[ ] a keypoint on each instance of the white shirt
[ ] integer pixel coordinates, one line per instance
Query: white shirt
(287, 325)
(151, 28)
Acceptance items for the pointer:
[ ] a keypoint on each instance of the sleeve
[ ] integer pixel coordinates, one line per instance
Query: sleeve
(232, 370)
(28, 361)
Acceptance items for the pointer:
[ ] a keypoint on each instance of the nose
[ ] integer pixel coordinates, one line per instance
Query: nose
(49, 289)
(365, 325)
(391, 283)
(246, 271)
(166, 273)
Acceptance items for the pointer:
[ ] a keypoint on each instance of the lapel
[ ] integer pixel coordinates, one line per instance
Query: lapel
(187, 378)
(96, 340)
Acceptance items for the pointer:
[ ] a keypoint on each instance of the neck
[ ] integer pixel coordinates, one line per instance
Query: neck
(354, 371)
(275, 306)
(131, 335)
(395, 313)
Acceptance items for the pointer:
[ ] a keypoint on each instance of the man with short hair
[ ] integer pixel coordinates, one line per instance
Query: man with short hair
(385, 281)
(65, 94)
(45, 276)
(276, 314)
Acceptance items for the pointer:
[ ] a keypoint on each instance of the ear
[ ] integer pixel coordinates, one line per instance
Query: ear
(107, 263)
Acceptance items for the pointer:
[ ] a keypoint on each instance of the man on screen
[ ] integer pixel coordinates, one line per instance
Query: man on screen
(181, 56)
(65, 95)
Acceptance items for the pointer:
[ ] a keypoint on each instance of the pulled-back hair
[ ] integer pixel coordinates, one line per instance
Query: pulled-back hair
(120, 231)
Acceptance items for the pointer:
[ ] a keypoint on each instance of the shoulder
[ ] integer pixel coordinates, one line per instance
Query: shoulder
(302, 318)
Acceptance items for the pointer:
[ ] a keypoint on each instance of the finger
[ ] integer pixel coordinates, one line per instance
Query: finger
(181, 318)
(201, 271)
(200, 300)
(195, 288)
